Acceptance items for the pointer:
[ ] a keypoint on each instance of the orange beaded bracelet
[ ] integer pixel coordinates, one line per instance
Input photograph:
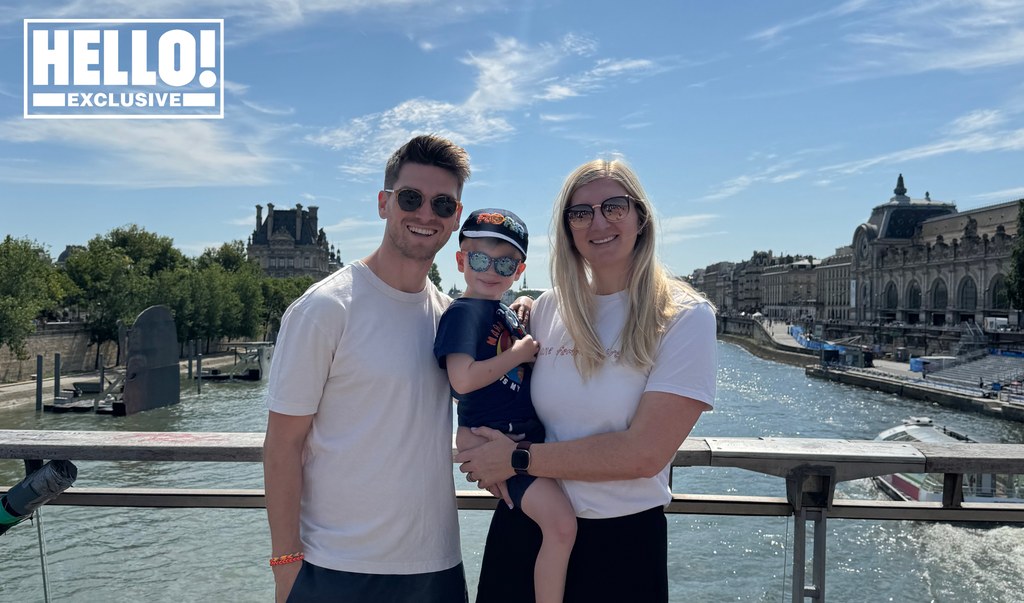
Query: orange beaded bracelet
(285, 559)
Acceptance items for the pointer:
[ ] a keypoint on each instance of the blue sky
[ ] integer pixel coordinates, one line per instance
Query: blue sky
(753, 125)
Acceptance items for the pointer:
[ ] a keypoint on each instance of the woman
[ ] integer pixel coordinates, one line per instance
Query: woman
(626, 367)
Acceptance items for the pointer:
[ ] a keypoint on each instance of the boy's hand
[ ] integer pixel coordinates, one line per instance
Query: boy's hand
(521, 306)
(525, 349)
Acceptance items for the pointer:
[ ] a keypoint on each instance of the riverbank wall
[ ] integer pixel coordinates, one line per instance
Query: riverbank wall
(753, 337)
(69, 339)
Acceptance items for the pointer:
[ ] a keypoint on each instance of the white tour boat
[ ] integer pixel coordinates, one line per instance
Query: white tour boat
(927, 487)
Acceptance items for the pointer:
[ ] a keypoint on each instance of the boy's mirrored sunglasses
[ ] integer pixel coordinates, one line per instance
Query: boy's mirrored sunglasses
(613, 209)
(480, 262)
(410, 199)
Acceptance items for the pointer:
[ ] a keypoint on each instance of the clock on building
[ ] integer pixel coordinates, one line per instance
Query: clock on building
(863, 248)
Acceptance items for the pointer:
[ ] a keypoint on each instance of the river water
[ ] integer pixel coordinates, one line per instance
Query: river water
(106, 554)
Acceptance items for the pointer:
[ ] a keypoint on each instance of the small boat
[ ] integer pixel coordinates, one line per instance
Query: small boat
(927, 487)
(252, 363)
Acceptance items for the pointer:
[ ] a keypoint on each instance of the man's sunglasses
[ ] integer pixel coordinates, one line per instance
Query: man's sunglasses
(613, 209)
(480, 262)
(410, 199)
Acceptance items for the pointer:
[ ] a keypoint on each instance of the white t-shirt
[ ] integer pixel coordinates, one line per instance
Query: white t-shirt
(571, 408)
(378, 495)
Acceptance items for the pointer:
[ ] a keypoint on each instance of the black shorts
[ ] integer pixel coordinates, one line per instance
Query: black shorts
(316, 584)
(618, 559)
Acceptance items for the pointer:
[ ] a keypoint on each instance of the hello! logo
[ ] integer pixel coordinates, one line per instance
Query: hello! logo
(124, 69)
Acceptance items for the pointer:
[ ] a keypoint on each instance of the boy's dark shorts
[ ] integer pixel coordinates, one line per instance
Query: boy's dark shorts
(534, 430)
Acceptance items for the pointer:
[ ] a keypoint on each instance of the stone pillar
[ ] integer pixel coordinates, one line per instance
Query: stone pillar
(259, 217)
(298, 222)
(270, 219)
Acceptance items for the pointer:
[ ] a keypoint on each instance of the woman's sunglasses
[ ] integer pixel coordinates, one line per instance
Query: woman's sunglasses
(410, 199)
(480, 262)
(613, 209)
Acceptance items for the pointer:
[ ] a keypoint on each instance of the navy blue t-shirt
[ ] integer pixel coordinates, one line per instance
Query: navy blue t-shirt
(484, 328)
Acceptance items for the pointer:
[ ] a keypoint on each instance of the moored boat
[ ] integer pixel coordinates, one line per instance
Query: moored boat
(927, 487)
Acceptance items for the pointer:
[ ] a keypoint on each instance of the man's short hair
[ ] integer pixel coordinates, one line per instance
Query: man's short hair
(429, 149)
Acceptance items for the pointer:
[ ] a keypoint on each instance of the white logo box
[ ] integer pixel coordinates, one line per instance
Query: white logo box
(124, 68)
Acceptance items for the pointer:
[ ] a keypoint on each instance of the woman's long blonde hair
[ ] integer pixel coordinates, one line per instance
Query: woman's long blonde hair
(653, 296)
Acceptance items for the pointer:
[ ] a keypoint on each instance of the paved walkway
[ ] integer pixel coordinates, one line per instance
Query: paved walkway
(779, 332)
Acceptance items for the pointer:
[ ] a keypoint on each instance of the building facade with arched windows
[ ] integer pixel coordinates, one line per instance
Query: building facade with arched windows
(922, 262)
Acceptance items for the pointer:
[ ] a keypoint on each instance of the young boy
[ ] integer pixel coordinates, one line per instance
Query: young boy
(485, 351)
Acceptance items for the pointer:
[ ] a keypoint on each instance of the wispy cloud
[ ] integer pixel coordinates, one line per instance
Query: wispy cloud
(976, 120)
(776, 34)
(268, 110)
(773, 174)
(1008, 194)
(680, 228)
(561, 117)
(511, 76)
(915, 37)
(134, 154)
(975, 132)
(349, 224)
(908, 37)
(250, 18)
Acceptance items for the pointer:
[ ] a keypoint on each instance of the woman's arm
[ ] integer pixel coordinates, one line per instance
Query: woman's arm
(661, 423)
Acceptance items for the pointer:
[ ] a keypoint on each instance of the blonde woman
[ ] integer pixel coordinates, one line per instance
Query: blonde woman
(626, 367)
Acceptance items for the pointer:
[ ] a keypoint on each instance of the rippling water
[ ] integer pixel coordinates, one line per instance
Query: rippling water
(105, 554)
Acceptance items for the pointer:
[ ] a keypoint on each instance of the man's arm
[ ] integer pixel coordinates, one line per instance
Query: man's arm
(282, 481)
(468, 375)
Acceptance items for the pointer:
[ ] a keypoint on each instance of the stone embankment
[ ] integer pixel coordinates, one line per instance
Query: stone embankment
(774, 343)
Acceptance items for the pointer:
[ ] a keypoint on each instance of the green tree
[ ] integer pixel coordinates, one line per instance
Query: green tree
(239, 289)
(435, 276)
(29, 285)
(278, 294)
(176, 290)
(1015, 278)
(111, 289)
(150, 253)
(231, 256)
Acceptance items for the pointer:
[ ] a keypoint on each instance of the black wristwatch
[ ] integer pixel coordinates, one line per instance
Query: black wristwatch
(521, 458)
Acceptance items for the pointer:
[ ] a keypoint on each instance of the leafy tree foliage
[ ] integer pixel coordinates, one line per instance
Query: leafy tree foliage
(118, 275)
(230, 256)
(1015, 278)
(150, 253)
(278, 294)
(29, 285)
(435, 276)
(111, 288)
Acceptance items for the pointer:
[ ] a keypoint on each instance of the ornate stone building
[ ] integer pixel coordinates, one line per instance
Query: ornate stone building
(789, 289)
(718, 286)
(289, 243)
(919, 278)
(919, 261)
(834, 291)
(748, 281)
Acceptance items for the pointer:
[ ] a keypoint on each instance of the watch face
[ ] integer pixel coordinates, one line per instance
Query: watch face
(520, 459)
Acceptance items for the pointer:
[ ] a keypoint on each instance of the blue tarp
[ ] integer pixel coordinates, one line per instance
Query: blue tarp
(798, 334)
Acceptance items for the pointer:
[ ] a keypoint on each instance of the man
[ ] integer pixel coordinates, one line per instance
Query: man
(357, 457)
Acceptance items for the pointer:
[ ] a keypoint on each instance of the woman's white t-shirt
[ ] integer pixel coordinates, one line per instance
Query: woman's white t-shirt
(571, 408)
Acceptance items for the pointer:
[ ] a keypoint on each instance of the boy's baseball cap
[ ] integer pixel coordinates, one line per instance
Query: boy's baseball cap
(497, 224)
